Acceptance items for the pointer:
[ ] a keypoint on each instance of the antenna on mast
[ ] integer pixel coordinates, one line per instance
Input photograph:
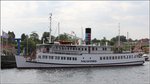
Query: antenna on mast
(50, 28)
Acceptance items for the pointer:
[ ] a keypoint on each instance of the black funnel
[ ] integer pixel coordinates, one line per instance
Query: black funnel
(88, 36)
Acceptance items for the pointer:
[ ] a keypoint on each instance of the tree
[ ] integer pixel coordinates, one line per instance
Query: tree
(23, 37)
(95, 41)
(115, 39)
(130, 40)
(65, 37)
(103, 41)
(11, 37)
(34, 36)
(45, 37)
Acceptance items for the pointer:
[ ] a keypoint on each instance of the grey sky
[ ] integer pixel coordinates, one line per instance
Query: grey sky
(102, 16)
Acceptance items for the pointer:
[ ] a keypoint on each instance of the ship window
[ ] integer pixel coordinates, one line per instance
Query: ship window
(67, 58)
(100, 58)
(82, 49)
(64, 58)
(118, 57)
(106, 58)
(110, 57)
(90, 57)
(78, 48)
(39, 57)
(129, 56)
(103, 58)
(115, 57)
(75, 58)
(93, 48)
(121, 57)
(85, 49)
(96, 48)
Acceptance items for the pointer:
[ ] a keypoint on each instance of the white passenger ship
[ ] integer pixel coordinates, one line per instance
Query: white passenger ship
(55, 55)
(67, 55)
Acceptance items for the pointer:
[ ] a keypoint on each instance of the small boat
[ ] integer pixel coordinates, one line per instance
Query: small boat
(146, 56)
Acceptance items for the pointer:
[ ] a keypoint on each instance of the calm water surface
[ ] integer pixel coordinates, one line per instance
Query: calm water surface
(95, 75)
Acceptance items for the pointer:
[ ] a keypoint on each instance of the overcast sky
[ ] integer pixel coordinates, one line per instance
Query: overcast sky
(102, 16)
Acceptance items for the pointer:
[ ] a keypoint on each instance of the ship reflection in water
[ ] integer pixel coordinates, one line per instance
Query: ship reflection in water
(95, 75)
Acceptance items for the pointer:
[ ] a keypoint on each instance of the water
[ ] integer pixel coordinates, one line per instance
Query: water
(95, 75)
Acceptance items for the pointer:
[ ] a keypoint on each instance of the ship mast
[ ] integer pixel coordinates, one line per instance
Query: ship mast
(50, 28)
(81, 35)
(128, 41)
(58, 31)
(119, 35)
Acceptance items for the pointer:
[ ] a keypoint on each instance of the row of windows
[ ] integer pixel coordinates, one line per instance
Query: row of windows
(75, 48)
(117, 57)
(104, 49)
(57, 57)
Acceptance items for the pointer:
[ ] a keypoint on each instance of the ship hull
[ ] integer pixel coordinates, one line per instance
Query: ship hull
(22, 63)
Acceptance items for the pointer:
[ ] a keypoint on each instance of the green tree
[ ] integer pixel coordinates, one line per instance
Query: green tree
(122, 39)
(64, 37)
(95, 41)
(35, 37)
(11, 37)
(45, 37)
(24, 42)
(103, 41)
(23, 37)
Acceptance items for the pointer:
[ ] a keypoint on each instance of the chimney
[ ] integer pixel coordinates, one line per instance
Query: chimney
(88, 36)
